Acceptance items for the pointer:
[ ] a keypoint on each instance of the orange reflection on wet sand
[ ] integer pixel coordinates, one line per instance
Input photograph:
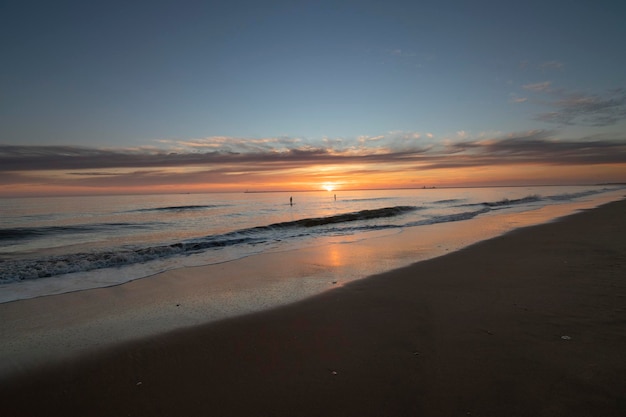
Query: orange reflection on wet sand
(335, 255)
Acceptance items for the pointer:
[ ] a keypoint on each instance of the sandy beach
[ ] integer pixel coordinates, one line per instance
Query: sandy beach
(531, 323)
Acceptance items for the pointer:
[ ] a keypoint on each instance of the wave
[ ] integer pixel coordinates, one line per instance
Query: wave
(354, 200)
(25, 233)
(348, 217)
(533, 198)
(178, 208)
(448, 201)
(554, 198)
(573, 196)
(13, 271)
(506, 202)
(424, 222)
(18, 270)
(343, 223)
(467, 215)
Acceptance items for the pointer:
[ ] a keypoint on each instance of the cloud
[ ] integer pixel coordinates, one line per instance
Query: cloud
(538, 87)
(541, 147)
(587, 110)
(230, 144)
(573, 108)
(592, 110)
(402, 148)
(516, 99)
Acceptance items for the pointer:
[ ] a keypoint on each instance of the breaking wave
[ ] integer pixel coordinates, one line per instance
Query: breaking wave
(241, 240)
(533, 198)
(18, 270)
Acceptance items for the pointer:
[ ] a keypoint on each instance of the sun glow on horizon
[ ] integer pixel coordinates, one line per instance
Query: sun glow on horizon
(328, 186)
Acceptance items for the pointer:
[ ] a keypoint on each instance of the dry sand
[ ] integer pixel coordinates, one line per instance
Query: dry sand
(532, 323)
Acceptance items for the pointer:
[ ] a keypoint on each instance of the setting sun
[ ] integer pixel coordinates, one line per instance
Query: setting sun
(328, 186)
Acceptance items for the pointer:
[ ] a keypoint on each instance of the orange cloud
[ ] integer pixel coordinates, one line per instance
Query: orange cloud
(394, 161)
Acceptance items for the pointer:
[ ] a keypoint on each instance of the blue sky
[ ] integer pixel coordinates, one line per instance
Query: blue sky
(164, 74)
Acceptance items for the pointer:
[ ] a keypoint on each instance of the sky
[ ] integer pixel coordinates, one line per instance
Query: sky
(195, 96)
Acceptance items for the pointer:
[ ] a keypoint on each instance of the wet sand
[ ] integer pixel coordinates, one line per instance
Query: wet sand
(532, 323)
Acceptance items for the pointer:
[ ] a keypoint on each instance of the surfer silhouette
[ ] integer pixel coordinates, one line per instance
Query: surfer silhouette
(291, 201)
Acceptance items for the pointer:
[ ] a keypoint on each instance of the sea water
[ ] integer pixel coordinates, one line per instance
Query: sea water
(89, 242)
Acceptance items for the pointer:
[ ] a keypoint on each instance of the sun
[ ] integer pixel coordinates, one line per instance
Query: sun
(328, 186)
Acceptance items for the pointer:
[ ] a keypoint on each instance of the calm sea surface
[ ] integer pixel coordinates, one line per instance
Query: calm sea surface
(108, 240)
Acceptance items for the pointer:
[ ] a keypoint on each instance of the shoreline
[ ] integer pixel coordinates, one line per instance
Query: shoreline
(476, 331)
(49, 329)
(112, 276)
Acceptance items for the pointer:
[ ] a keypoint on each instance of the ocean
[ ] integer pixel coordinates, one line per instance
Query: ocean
(62, 244)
